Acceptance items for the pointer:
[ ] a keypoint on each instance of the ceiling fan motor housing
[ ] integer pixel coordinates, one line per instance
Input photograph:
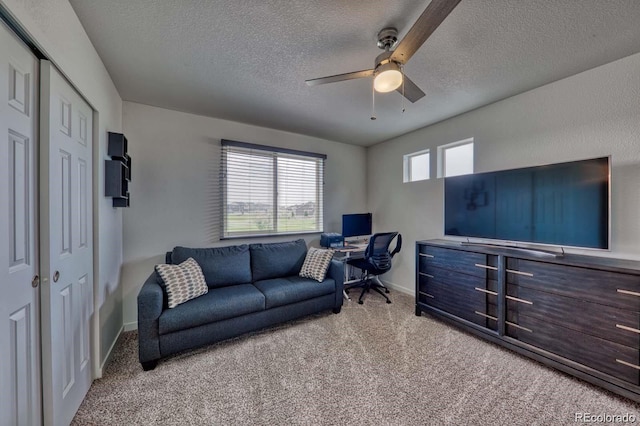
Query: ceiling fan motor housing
(383, 63)
(382, 59)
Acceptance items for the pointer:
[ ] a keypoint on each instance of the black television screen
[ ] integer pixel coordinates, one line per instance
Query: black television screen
(564, 204)
(356, 225)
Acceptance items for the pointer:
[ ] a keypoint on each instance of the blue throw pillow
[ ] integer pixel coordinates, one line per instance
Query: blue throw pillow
(275, 260)
(221, 266)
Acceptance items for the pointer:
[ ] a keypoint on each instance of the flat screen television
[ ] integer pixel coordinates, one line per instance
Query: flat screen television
(564, 204)
(356, 225)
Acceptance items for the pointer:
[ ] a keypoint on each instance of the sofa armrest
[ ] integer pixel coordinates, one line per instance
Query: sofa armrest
(336, 272)
(150, 304)
(150, 299)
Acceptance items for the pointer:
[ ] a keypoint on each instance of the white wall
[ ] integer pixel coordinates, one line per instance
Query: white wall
(595, 113)
(175, 159)
(57, 31)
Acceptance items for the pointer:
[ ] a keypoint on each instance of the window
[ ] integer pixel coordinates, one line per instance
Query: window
(270, 190)
(416, 166)
(456, 158)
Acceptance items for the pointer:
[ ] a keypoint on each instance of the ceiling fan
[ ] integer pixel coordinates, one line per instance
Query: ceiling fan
(387, 73)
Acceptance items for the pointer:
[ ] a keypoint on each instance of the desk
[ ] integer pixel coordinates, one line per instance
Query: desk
(344, 254)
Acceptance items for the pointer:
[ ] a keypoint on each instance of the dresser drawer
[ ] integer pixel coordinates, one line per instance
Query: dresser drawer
(607, 322)
(460, 299)
(452, 277)
(470, 263)
(603, 287)
(471, 283)
(610, 358)
(475, 286)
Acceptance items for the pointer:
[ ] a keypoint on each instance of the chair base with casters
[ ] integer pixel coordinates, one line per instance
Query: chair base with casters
(377, 261)
(369, 283)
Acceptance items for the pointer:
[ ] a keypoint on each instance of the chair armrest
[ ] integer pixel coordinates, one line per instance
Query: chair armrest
(150, 299)
(336, 272)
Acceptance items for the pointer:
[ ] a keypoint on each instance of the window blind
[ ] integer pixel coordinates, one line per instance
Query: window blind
(270, 191)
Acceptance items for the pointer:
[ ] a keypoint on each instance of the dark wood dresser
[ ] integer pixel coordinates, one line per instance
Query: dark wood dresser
(579, 314)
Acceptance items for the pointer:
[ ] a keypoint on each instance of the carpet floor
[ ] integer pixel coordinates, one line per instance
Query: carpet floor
(375, 363)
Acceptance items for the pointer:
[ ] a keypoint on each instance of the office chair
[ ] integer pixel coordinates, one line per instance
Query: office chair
(376, 261)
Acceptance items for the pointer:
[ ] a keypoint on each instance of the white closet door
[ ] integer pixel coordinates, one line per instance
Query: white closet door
(67, 246)
(19, 309)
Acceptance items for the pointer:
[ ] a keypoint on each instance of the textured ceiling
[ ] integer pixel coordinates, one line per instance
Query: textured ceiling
(247, 60)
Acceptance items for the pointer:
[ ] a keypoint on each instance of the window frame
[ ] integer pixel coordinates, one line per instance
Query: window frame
(274, 153)
(407, 168)
(442, 149)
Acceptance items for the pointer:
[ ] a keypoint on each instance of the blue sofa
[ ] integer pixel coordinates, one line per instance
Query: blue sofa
(250, 287)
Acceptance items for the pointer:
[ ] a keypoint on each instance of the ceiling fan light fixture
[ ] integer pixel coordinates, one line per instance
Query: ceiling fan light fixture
(388, 77)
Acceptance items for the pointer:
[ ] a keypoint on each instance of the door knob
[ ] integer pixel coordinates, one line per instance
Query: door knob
(35, 281)
(56, 276)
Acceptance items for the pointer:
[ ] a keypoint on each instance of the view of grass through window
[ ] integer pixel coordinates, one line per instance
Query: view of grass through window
(269, 192)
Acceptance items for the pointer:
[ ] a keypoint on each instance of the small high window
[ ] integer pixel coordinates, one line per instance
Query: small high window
(416, 166)
(456, 158)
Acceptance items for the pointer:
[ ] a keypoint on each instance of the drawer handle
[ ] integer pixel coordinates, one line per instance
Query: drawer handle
(628, 364)
(624, 327)
(426, 255)
(486, 316)
(426, 294)
(631, 293)
(526, 274)
(516, 299)
(519, 326)
(493, 268)
(493, 293)
(425, 275)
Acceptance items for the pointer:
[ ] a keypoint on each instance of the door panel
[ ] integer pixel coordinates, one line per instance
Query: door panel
(20, 402)
(19, 177)
(67, 255)
(64, 188)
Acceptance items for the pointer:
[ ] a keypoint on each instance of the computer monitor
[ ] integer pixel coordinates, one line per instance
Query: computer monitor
(356, 225)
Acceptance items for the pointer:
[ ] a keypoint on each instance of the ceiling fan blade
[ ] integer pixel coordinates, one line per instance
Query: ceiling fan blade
(340, 77)
(411, 91)
(426, 24)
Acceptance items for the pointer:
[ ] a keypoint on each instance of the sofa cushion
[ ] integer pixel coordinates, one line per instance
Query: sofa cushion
(275, 260)
(218, 304)
(283, 291)
(221, 266)
(182, 282)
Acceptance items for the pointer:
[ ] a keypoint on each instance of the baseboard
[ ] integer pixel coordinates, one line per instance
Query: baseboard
(399, 288)
(130, 326)
(110, 351)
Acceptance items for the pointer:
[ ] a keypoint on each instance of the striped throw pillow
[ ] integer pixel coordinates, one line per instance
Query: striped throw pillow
(316, 264)
(183, 282)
